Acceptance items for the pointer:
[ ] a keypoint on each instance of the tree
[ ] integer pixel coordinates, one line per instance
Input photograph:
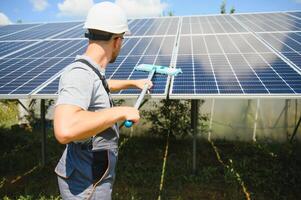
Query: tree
(232, 10)
(223, 7)
(170, 13)
(172, 116)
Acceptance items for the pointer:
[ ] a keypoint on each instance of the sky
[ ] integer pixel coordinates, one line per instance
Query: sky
(29, 11)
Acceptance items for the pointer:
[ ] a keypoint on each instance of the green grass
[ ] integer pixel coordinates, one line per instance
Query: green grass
(269, 170)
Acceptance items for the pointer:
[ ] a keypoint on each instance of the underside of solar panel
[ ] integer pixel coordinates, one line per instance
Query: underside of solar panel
(252, 55)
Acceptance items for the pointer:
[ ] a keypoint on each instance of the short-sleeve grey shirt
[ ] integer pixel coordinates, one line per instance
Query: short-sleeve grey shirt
(79, 85)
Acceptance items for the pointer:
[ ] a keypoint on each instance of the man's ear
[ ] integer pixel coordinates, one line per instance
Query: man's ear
(115, 43)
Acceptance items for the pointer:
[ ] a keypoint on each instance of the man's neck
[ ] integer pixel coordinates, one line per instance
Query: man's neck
(98, 55)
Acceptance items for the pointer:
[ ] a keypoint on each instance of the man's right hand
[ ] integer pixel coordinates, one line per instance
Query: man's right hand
(131, 114)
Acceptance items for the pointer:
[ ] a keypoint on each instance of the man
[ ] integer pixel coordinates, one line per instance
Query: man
(84, 117)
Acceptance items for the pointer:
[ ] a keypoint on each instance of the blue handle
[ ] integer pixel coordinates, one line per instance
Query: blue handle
(128, 124)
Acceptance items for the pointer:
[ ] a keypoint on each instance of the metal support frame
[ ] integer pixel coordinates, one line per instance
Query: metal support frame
(194, 126)
(287, 103)
(295, 130)
(211, 119)
(23, 106)
(43, 128)
(255, 121)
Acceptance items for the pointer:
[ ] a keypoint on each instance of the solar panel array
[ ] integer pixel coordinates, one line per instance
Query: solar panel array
(235, 55)
(240, 55)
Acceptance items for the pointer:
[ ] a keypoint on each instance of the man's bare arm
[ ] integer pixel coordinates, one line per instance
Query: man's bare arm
(116, 85)
(72, 123)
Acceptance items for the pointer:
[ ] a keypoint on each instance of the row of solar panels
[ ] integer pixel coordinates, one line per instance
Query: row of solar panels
(265, 22)
(241, 55)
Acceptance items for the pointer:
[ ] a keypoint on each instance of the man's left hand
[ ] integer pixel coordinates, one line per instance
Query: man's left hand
(142, 82)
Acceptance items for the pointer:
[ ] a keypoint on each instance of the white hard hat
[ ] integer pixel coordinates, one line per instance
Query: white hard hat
(108, 17)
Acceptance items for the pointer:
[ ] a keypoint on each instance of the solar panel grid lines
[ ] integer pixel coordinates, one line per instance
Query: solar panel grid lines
(269, 65)
(11, 47)
(112, 75)
(39, 74)
(232, 55)
(240, 55)
(70, 49)
(286, 45)
(219, 44)
(143, 53)
(297, 14)
(267, 22)
(280, 25)
(154, 26)
(148, 59)
(48, 49)
(250, 66)
(46, 30)
(296, 87)
(50, 87)
(21, 49)
(19, 28)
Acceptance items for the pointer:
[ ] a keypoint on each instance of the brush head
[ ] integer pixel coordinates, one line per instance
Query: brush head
(158, 69)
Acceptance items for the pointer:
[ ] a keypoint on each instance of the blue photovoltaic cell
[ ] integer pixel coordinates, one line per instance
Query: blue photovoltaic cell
(288, 44)
(42, 32)
(28, 74)
(51, 88)
(77, 32)
(53, 48)
(234, 64)
(218, 54)
(155, 50)
(210, 24)
(154, 26)
(27, 69)
(148, 50)
(269, 22)
(296, 14)
(10, 29)
(10, 47)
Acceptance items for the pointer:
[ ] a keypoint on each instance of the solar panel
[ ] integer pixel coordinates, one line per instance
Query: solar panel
(41, 32)
(210, 24)
(10, 47)
(50, 89)
(21, 73)
(11, 29)
(288, 44)
(220, 55)
(154, 26)
(296, 14)
(135, 50)
(231, 64)
(269, 22)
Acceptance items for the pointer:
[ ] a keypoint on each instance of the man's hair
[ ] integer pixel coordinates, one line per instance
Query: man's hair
(93, 34)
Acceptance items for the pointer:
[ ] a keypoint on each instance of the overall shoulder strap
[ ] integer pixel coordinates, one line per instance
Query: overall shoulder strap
(101, 77)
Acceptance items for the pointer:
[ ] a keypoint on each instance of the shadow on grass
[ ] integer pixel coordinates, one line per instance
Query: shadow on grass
(270, 171)
(22, 176)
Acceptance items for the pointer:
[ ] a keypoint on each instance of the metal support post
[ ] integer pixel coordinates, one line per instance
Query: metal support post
(295, 130)
(43, 127)
(287, 102)
(211, 118)
(194, 126)
(255, 121)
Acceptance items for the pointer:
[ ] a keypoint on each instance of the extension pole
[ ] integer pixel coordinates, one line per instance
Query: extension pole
(194, 126)
(43, 127)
